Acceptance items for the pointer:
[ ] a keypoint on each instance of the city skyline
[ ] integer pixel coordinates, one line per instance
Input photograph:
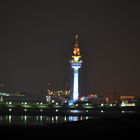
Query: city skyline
(37, 40)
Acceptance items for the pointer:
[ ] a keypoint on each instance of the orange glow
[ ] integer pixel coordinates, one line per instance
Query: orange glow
(76, 51)
(126, 97)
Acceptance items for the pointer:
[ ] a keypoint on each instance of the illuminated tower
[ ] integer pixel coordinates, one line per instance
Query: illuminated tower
(75, 64)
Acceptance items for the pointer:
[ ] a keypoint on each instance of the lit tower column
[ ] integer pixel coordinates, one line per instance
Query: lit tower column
(75, 64)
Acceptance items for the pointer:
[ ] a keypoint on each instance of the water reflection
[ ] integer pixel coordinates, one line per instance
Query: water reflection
(75, 111)
(73, 118)
(65, 119)
(9, 119)
(38, 120)
(86, 117)
(127, 111)
(25, 119)
(10, 109)
(41, 119)
(102, 111)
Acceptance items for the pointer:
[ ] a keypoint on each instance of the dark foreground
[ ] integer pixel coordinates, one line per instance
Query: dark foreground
(107, 125)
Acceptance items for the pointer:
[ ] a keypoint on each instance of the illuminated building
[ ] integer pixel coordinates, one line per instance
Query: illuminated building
(75, 64)
(59, 93)
(127, 97)
(127, 101)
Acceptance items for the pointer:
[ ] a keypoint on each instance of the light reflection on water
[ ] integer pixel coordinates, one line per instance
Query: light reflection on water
(38, 120)
(75, 111)
(127, 111)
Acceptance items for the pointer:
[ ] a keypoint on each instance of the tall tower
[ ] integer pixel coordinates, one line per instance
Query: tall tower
(76, 63)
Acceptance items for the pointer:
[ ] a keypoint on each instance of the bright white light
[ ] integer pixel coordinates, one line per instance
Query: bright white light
(65, 119)
(56, 103)
(41, 118)
(25, 103)
(75, 111)
(75, 85)
(25, 119)
(126, 103)
(76, 58)
(9, 118)
(73, 118)
(86, 117)
(102, 111)
(76, 104)
(70, 103)
(10, 103)
(102, 104)
(56, 118)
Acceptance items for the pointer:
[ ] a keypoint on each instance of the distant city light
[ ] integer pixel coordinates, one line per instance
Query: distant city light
(102, 104)
(10, 109)
(10, 103)
(126, 103)
(102, 111)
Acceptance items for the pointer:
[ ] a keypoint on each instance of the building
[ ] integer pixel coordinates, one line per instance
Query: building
(76, 63)
(127, 101)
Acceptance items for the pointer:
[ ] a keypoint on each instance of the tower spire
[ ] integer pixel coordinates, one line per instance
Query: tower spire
(76, 50)
(76, 63)
(76, 41)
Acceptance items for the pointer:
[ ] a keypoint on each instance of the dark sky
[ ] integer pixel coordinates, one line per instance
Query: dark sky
(37, 39)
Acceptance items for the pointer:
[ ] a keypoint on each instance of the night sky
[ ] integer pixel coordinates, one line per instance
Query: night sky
(37, 39)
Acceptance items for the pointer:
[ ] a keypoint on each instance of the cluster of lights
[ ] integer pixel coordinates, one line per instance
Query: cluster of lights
(76, 52)
(4, 94)
(127, 104)
(59, 93)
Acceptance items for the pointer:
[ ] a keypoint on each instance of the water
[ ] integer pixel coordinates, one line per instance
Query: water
(54, 118)
(38, 120)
